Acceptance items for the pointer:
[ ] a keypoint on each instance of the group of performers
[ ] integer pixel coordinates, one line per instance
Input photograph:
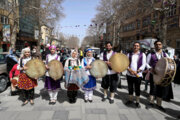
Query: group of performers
(77, 75)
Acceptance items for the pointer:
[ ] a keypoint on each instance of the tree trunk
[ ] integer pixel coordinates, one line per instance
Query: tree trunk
(14, 35)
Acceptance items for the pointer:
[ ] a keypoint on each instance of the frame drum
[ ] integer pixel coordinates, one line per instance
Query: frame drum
(99, 69)
(55, 69)
(119, 62)
(165, 71)
(36, 68)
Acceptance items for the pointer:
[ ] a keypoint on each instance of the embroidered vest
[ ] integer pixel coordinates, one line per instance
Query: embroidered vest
(154, 59)
(140, 59)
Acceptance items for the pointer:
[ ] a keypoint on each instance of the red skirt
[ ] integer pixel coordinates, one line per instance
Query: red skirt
(25, 82)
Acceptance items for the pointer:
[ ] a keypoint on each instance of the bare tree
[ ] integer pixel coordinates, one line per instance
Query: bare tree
(42, 11)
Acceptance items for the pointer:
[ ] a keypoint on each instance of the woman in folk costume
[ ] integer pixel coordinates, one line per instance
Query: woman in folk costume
(25, 83)
(50, 84)
(74, 76)
(91, 85)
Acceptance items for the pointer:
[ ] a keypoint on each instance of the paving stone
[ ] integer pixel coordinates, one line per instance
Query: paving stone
(95, 111)
(123, 117)
(60, 115)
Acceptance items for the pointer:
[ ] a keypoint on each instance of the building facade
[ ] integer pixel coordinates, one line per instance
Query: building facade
(145, 25)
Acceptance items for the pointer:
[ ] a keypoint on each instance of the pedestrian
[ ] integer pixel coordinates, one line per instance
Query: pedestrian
(71, 75)
(14, 77)
(91, 85)
(134, 74)
(111, 79)
(52, 85)
(25, 83)
(155, 90)
(11, 59)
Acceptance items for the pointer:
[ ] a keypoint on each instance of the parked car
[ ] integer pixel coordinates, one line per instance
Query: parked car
(4, 79)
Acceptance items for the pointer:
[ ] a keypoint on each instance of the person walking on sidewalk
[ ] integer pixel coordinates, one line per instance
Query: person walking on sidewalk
(110, 80)
(52, 85)
(91, 85)
(134, 74)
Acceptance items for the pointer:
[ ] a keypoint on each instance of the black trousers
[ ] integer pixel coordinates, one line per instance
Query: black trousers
(110, 81)
(155, 90)
(134, 82)
(28, 94)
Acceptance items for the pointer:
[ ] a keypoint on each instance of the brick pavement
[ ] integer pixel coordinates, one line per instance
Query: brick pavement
(10, 108)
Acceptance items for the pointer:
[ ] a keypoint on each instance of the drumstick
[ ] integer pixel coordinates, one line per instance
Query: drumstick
(133, 72)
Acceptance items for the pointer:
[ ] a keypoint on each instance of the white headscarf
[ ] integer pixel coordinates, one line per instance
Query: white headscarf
(24, 50)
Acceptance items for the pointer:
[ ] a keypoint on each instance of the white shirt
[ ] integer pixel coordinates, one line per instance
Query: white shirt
(89, 61)
(134, 63)
(110, 72)
(73, 62)
(51, 57)
(24, 61)
(158, 55)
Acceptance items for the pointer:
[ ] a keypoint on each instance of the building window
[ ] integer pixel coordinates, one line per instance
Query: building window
(4, 20)
(138, 24)
(171, 11)
(146, 21)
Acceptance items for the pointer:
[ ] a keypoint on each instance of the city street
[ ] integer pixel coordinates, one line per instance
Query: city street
(11, 108)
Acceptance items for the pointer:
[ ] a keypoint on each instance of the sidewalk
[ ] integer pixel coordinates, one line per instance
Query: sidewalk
(11, 107)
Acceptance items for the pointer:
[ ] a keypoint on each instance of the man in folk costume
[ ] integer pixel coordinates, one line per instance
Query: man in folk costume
(91, 85)
(71, 64)
(134, 74)
(152, 59)
(110, 80)
(52, 85)
(25, 83)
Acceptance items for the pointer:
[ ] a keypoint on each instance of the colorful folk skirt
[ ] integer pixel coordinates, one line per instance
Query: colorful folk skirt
(91, 85)
(51, 84)
(25, 82)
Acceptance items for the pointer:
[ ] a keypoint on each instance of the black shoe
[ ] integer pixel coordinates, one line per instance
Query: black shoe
(111, 101)
(138, 105)
(128, 102)
(13, 93)
(161, 108)
(24, 103)
(90, 101)
(103, 99)
(85, 101)
(53, 103)
(32, 104)
(50, 103)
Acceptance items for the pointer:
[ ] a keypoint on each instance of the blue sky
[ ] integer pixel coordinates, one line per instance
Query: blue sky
(77, 12)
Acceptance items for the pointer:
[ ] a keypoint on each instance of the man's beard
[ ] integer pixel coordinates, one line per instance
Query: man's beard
(109, 50)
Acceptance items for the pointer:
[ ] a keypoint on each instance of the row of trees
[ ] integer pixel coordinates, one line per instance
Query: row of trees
(43, 12)
(69, 41)
(117, 11)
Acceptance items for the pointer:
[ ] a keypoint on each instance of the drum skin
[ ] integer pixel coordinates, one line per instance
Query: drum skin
(55, 69)
(36, 68)
(99, 69)
(165, 71)
(119, 62)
